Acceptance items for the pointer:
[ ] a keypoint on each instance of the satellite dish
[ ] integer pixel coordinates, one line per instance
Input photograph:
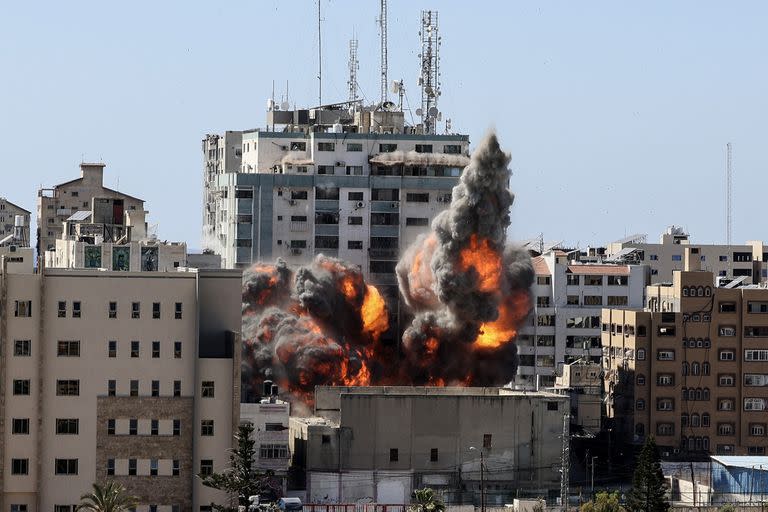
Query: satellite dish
(432, 111)
(428, 89)
(284, 105)
(418, 112)
(388, 106)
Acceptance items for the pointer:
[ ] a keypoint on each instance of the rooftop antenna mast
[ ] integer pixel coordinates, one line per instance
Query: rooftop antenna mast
(383, 34)
(429, 80)
(319, 59)
(729, 201)
(353, 67)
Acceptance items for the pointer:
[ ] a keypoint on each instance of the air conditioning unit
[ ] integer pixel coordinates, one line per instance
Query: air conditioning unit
(339, 164)
(395, 204)
(359, 204)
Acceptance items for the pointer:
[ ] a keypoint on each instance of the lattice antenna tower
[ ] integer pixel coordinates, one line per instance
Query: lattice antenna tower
(383, 35)
(353, 67)
(729, 202)
(429, 81)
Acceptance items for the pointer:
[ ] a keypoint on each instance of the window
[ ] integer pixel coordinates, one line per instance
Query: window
(640, 405)
(387, 148)
(433, 455)
(134, 388)
(326, 439)
(640, 354)
(665, 404)
(68, 349)
(665, 355)
(178, 311)
(177, 349)
(135, 310)
(154, 428)
(326, 146)
(593, 300)
(206, 467)
(572, 300)
(725, 429)
(273, 451)
(416, 221)
(20, 426)
(665, 429)
(355, 221)
(756, 332)
(754, 404)
(133, 427)
(677, 257)
(155, 310)
(756, 355)
(19, 466)
(354, 244)
(757, 429)
(110, 467)
(705, 419)
(110, 427)
(67, 426)
(726, 331)
(354, 170)
(545, 320)
(665, 379)
(727, 355)
(641, 380)
(153, 472)
(112, 310)
(66, 466)
(155, 349)
(76, 309)
(705, 368)
(21, 386)
(727, 307)
(755, 379)
(22, 348)
(393, 455)
(112, 348)
(543, 280)
(726, 380)
(207, 390)
(132, 467)
(326, 169)
(177, 388)
(354, 146)
(572, 279)
(725, 404)
(67, 387)
(176, 467)
(275, 427)
(452, 149)
(62, 309)
(298, 194)
(593, 280)
(155, 388)
(176, 427)
(617, 280)
(487, 438)
(23, 308)
(298, 146)
(617, 300)
(206, 427)
(135, 346)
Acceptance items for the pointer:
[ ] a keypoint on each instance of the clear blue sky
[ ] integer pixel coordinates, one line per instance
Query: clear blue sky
(616, 113)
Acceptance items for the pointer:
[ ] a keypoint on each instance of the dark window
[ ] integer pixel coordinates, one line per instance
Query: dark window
(67, 387)
(154, 427)
(274, 427)
(416, 221)
(387, 148)
(155, 388)
(487, 440)
(19, 466)
(552, 406)
(298, 194)
(113, 310)
(20, 426)
(177, 427)
(176, 467)
(62, 309)
(452, 149)
(153, 472)
(393, 455)
(110, 427)
(21, 386)
(326, 146)
(76, 310)
(66, 466)
(206, 467)
(134, 388)
(327, 193)
(67, 426)
(433, 455)
(206, 427)
(131, 467)
(135, 310)
(355, 221)
(112, 348)
(110, 467)
(326, 439)
(177, 388)
(155, 310)
(178, 311)
(298, 146)
(23, 308)
(207, 390)
(354, 244)
(22, 348)
(69, 348)
(355, 196)
(135, 345)
(155, 349)
(177, 349)
(413, 197)
(111, 387)
(133, 427)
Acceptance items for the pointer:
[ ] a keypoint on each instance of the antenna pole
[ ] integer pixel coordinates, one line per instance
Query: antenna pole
(430, 70)
(353, 67)
(319, 59)
(383, 34)
(729, 202)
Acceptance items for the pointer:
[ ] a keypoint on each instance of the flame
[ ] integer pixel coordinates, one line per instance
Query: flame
(504, 329)
(348, 288)
(374, 313)
(485, 260)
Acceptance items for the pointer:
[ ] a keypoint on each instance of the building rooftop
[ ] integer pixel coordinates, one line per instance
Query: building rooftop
(742, 461)
(436, 391)
(620, 270)
(540, 266)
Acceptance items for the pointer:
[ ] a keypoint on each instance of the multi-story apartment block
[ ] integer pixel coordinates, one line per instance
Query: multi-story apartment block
(12, 229)
(732, 261)
(127, 376)
(691, 368)
(55, 205)
(357, 185)
(565, 323)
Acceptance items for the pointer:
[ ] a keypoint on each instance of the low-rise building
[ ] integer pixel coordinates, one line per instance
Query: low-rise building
(380, 443)
(270, 417)
(691, 368)
(14, 224)
(582, 381)
(125, 376)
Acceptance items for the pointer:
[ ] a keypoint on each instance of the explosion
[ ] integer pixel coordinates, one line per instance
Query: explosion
(468, 291)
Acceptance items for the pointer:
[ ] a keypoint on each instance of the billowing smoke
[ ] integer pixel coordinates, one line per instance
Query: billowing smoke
(467, 289)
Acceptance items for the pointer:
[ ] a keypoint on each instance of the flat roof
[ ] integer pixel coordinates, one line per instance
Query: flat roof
(742, 461)
(621, 270)
(491, 391)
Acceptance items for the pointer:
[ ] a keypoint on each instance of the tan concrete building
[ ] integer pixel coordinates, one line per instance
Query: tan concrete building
(663, 258)
(270, 418)
(131, 376)
(692, 367)
(582, 381)
(380, 443)
(8, 224)
(55, 205)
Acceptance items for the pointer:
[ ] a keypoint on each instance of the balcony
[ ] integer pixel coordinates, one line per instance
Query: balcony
(245, 206)
(298, 227)
(327, 229)
(385, 230)
(385, 206)
(326, 205)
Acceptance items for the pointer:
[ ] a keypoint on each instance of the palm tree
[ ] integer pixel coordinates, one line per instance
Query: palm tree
(427, 501)
(111, 497)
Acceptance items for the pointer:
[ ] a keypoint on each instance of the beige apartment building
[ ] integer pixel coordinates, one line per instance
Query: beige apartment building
(691, 368)
(131, 376)
(55, 205)
(10, 231)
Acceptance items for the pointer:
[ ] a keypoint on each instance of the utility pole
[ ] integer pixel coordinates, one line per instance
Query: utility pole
(565, 462)
(592, 483)
(482, 481)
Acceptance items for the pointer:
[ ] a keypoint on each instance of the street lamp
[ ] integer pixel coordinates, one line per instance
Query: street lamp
(482, 478)
(593, 476)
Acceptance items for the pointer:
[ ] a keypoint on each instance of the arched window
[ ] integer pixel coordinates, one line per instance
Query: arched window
(705, 419)
(707, 291)
(695, 369)
(683, 442)
(707, 343)
(685, 291)
(706, 394)
(705, 368)
(691, 394)
(700, 291)
(698, 394)
(698, 444)
(685, 393)
(641, 354)
(683, 420)
(705, 443)
(690, 444)
(695, 420)
(699, 342)
(685, 368)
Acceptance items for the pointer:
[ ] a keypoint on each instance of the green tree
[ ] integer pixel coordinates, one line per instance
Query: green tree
(426, 500)
(111, 497)
(604, 501)
(241, 480)
(649, 489)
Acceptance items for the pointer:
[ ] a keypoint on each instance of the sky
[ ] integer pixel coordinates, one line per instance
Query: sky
(616, 114)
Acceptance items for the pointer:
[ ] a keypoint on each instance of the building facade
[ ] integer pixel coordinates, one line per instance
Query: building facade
(381, 443)
(270, 418)
(19, 235)
(55, 205)
(665, 257)
(127, 376)
(565, 323)
(691, 368)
